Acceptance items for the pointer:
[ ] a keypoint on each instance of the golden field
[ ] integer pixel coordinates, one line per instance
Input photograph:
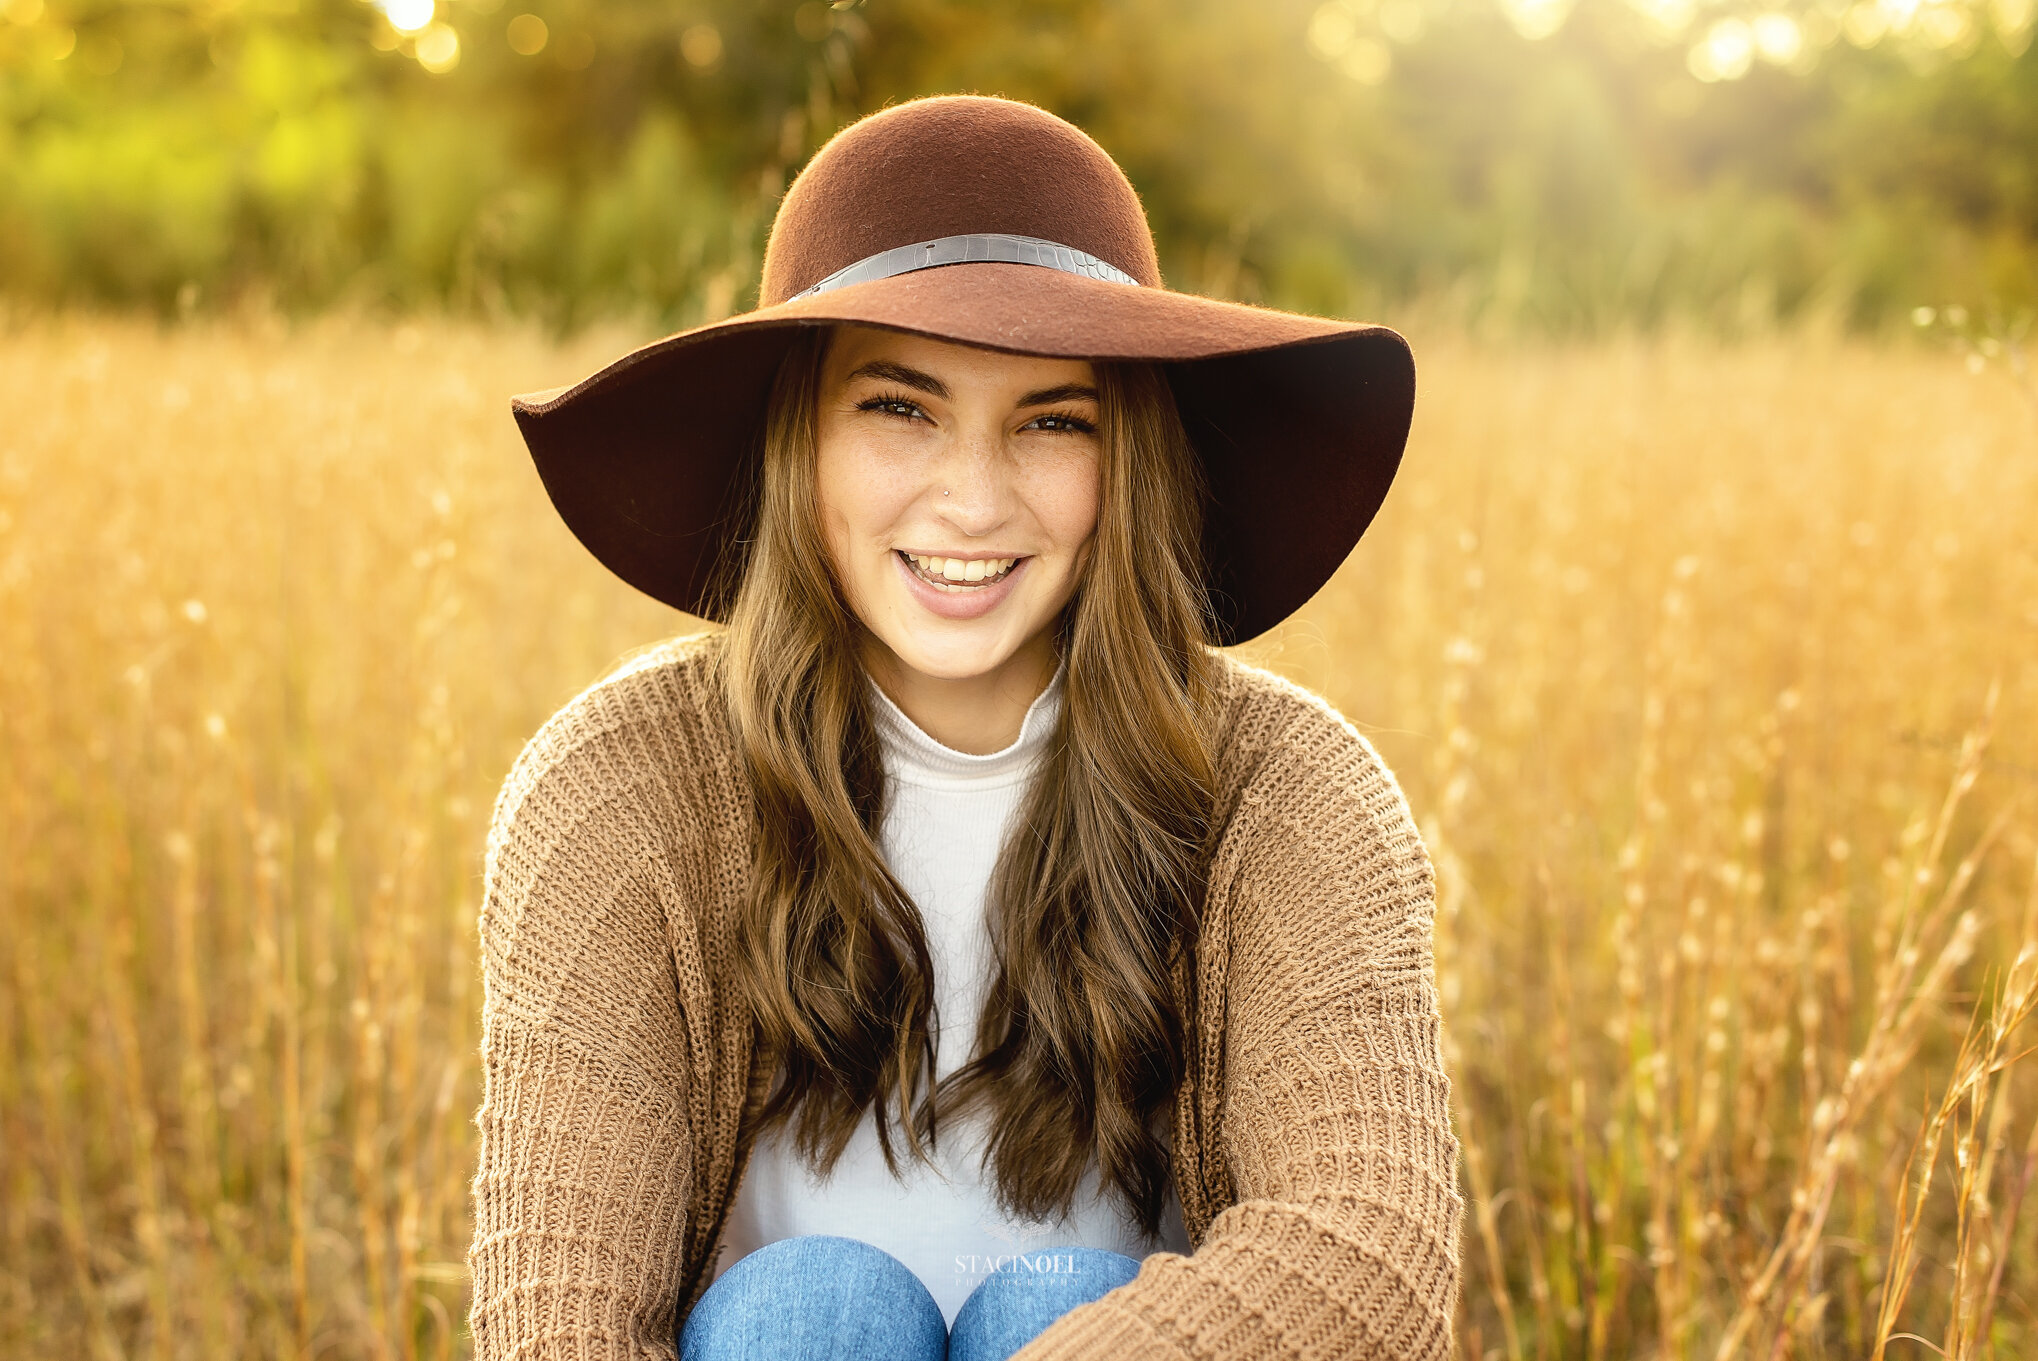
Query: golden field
(1711, 674)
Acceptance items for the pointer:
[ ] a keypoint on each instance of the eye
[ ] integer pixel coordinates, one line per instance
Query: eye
(891, 404)
(1061, 423)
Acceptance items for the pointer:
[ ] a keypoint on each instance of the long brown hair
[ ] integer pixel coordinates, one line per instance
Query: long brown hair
(1081, 1040)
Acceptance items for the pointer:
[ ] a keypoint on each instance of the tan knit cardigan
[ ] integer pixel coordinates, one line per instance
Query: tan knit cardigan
(1314, 1156)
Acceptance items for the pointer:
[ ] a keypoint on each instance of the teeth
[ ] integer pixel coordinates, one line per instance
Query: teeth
(961, 569)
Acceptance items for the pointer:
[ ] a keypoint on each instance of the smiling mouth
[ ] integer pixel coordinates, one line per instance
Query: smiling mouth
(958, 574)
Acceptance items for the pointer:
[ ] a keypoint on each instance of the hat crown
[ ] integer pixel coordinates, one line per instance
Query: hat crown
(951, 166)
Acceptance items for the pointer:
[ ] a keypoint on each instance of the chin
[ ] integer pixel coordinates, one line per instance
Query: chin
(953, 658)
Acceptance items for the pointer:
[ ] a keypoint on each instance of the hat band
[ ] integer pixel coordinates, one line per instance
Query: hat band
(974, 248)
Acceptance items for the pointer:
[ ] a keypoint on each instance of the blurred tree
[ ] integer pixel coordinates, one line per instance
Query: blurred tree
(1540, 163)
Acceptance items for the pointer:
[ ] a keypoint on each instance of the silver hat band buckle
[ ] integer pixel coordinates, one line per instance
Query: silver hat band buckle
(974, 248)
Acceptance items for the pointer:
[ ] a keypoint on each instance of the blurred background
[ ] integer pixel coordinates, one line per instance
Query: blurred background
(1701, 626)
(1566, 165)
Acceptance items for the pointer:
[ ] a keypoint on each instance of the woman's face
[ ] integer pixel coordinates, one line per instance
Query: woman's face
(958, 492)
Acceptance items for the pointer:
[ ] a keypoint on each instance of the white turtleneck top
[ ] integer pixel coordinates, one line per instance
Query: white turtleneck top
(946, 817)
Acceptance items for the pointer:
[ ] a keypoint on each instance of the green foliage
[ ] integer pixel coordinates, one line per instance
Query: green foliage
(574, 160)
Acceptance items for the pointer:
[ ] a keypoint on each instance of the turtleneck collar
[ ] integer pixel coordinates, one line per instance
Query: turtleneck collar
(912, 756)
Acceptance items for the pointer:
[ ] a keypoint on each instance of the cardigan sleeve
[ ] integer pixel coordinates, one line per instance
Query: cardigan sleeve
(586, 1159)
(1342, 1239)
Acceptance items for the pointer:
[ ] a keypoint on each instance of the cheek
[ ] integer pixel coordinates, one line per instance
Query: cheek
(859, 493)
(1065, 497)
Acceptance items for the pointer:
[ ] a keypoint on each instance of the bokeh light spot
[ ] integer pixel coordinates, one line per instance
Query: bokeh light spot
(1331, 30)
(1536, 19)
(438, 49)
(1402, 20)
(528, 35)
(1335, 37)
(1725, 52)
(409, 16)
(1943, 27)
(1821, 27)
(701, 45)
(1670, 18)
(23, 12)
(1865, 24)
(1778, 39)
(2014, 20)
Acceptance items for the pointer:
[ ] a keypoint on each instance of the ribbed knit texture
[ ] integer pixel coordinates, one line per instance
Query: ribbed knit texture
(1313, 1151)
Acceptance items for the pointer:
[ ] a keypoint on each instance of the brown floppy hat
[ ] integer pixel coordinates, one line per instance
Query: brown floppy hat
(994, 223)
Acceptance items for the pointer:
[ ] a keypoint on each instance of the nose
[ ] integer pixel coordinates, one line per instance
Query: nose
(972, 488)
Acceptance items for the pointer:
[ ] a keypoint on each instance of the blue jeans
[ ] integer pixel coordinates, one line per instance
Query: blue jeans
(835, 1299)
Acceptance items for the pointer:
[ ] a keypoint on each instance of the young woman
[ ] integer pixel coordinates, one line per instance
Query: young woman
(954, 955)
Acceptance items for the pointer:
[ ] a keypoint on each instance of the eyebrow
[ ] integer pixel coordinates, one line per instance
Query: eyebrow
(1067, 392)
(921, 381)
(898, 373)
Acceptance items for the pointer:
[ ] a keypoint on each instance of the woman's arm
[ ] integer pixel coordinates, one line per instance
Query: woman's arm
(1343, 1237)
(586, 1161)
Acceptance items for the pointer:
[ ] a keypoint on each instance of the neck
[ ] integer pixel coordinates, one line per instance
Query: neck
(975, 715)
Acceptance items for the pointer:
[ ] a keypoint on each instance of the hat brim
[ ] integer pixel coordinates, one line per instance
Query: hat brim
(1300, 422)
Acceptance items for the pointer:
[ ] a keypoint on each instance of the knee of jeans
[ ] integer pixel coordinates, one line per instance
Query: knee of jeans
(824, 1258)
(809, 1277)
(1029, 1292)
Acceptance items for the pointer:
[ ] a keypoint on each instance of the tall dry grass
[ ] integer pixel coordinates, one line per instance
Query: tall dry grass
(1712, 675)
